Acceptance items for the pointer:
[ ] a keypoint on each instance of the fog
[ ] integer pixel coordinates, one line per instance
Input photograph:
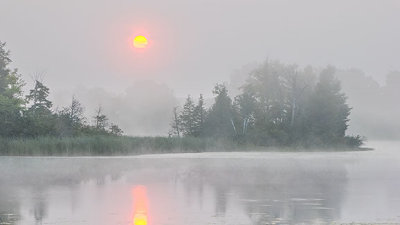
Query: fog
(144, 108)
(233, 112)
(218, 188)
(84, 49)
(374, 105)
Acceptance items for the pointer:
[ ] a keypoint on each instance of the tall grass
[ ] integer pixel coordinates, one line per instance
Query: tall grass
(125, 145)
(109, 145)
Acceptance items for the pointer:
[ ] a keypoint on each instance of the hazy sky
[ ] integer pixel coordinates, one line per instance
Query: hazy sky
(194, 44)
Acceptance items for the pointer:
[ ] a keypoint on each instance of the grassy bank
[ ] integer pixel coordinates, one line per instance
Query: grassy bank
(124, 145)
(109, 145)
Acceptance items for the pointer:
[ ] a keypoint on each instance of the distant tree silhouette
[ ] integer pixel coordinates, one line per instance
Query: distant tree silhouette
(220, 121)
(199, 115)
(101, 120)
(328, 111)
(187, 118)
(279, 105)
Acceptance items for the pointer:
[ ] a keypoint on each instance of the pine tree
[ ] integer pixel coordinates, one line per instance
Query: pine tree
(199, 117)
(220, 121)
(38, 97)
(187, 118)
(11, 102)
(328, 111)
(39, 115)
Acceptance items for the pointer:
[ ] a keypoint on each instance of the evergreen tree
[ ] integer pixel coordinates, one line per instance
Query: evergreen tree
(199, 117)
(39, 114)
(187, 118)
(220, 121)
(11, 102)
(328, 111)
(38, 97)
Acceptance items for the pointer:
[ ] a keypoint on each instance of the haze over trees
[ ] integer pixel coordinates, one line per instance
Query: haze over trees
(376, 111)
(33, 116)
(374, 104)
(280, 105)
(143, 109)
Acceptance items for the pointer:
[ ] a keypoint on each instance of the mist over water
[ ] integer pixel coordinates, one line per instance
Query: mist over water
(205, 188)
(233, 79)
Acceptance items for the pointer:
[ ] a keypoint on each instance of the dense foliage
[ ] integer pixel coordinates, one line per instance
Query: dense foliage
(280, 105)
(33, 116)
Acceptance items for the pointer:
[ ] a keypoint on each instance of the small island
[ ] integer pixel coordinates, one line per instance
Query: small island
(281, 107)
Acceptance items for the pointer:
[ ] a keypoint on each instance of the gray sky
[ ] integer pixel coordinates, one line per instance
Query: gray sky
(194, 44)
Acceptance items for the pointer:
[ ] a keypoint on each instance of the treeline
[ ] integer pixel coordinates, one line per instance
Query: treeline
(279, 105)
(33, 116)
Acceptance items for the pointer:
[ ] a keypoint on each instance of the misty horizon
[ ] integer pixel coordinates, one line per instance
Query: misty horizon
(192, 52)
(80, 48)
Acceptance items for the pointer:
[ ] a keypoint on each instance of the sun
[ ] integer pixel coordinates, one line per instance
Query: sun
(140, 42)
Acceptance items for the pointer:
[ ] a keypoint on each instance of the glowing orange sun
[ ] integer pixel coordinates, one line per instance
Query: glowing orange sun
(140, 42)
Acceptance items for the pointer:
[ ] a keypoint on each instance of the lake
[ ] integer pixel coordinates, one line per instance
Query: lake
(205, 188)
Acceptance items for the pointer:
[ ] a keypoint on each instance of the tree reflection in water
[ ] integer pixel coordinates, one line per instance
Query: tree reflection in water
(273, 192)
(180, 191)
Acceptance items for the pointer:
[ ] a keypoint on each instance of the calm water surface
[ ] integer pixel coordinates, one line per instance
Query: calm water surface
(206, 188)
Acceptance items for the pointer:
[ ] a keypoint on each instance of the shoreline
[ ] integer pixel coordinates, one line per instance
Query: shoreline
(92, 146)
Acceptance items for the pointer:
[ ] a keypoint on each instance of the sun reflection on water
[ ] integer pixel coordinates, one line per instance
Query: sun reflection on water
(140, 204)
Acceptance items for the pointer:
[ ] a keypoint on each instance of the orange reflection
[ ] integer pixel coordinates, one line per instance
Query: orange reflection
(140, 215)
